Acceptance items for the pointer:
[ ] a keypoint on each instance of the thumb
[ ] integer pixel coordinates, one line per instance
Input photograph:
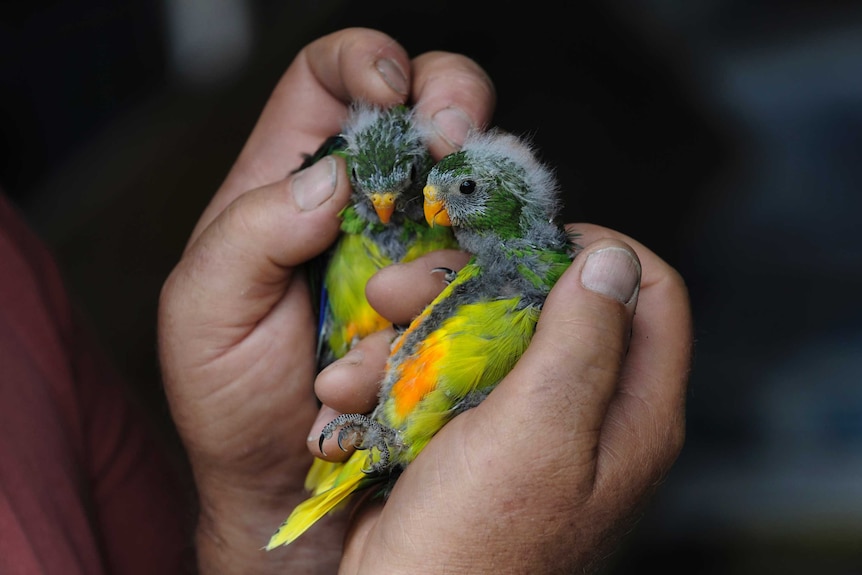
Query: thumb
(558, 394)
(586, 325)
(240, 270)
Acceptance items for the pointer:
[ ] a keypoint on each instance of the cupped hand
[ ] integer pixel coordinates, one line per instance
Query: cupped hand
(548, 473)
(236, 328)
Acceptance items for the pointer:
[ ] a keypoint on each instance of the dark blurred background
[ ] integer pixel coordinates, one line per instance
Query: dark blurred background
(724, 134)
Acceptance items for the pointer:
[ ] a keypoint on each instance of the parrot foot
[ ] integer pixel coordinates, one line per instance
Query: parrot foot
(363, 433)
(449, 274)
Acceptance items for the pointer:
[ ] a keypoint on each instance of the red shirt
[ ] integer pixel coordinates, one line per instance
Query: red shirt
(84, 486)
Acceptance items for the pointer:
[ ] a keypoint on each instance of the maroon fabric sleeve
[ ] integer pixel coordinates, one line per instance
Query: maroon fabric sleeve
(84, 486)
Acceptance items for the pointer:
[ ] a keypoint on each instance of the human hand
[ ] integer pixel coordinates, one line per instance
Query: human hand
(236, 327)
(548, 473)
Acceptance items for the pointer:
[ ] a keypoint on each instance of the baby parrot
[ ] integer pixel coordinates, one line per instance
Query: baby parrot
(387, 161)
(502, 204)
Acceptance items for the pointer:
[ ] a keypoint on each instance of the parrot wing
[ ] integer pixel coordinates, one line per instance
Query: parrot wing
(316, 268)
(346, 315)
(437, 372)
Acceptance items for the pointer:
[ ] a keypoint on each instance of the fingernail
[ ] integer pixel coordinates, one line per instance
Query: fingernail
(612, 272)
(315, 184)
(392, 74)
(452, 124)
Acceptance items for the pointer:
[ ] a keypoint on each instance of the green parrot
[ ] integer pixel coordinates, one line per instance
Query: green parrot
(387, 161)
(502, 204)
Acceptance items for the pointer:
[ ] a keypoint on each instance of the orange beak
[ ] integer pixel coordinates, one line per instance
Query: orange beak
(384, 205)
(435, 211)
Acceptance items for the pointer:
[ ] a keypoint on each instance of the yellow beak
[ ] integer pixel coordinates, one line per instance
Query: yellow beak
(435, 211)
(384, 205)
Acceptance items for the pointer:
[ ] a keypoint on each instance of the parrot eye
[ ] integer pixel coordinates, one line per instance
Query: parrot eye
(467, 187)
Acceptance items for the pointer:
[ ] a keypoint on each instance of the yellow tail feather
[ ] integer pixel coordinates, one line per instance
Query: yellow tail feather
(329, 493)
(318, 473)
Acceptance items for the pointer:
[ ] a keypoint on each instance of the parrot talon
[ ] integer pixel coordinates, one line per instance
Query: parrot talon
(320, 445)
(365, 433)
(382, 463)
(349, 422)
(449, 274)
(325, 434)
(354, 430)
(339, 441)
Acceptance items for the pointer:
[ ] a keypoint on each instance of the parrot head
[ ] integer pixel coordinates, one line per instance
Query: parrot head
(493, 186)
(387, 160)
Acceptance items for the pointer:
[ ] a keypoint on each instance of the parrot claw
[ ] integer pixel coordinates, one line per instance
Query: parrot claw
(323, 436)
(355, 437)
(449, 274)
(364, 433)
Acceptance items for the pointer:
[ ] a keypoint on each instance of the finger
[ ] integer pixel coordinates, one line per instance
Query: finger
(399, 292)
(361, 64)
(349, 385)
(309, 103)
(455, 94)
